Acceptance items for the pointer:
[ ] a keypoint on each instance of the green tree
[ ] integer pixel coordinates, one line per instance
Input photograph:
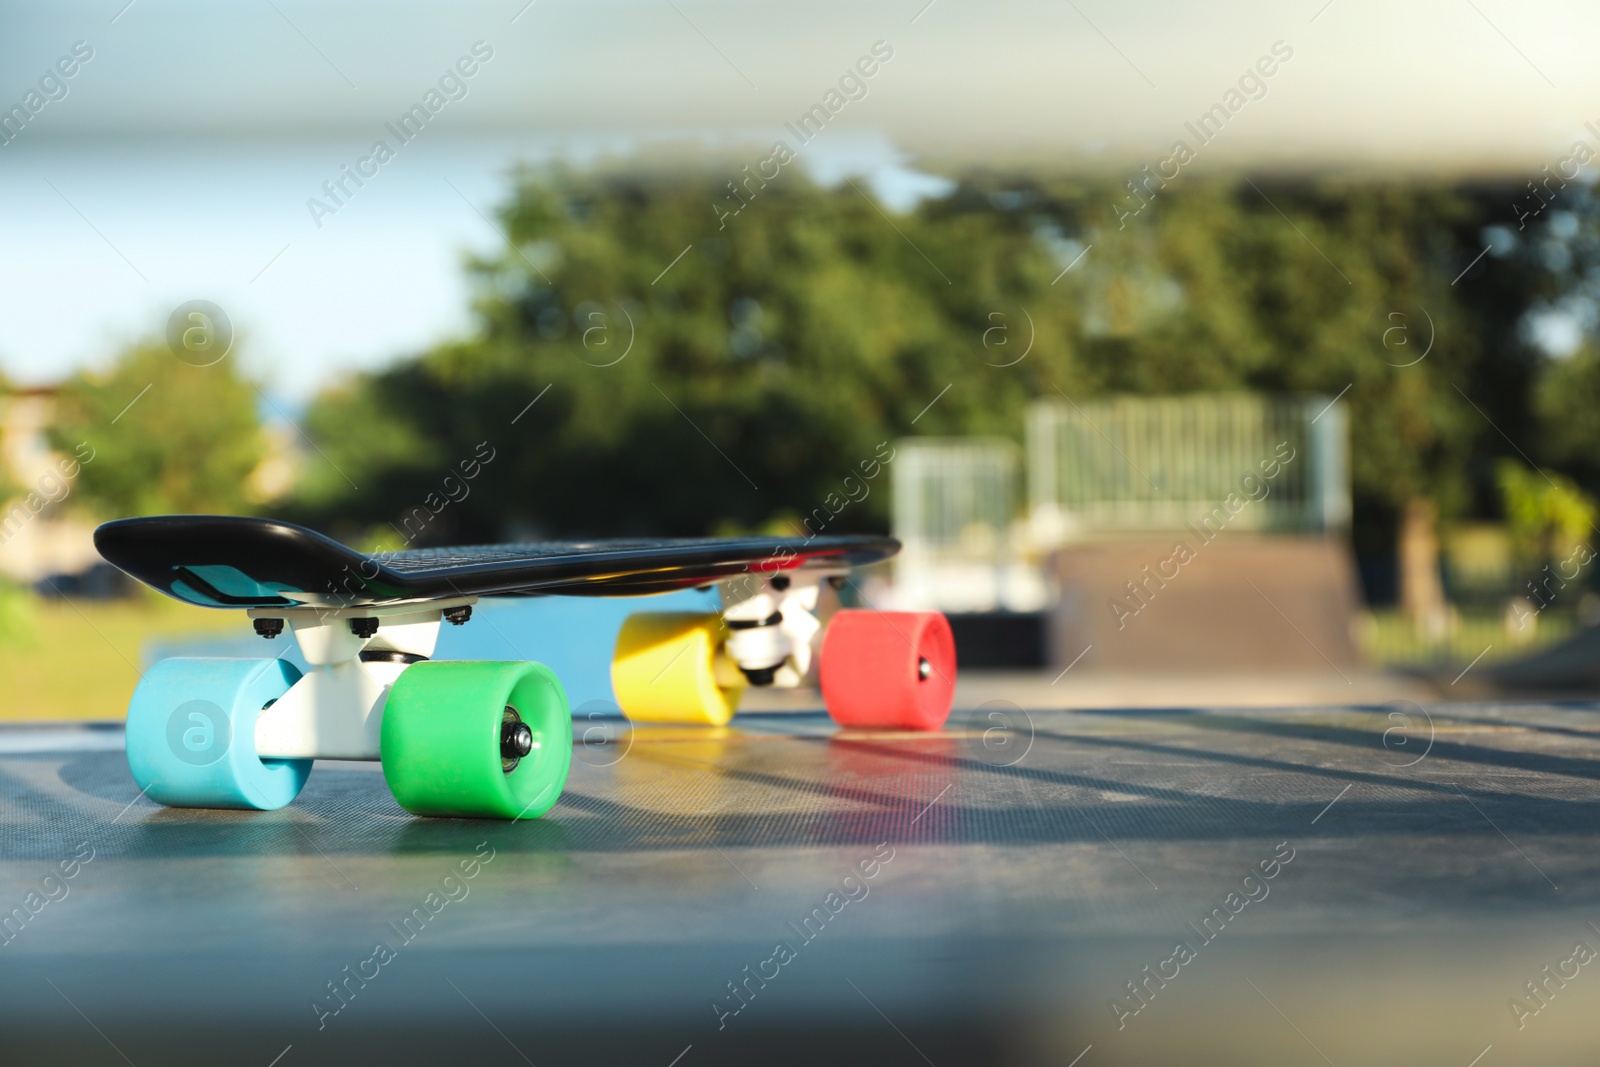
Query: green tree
(164, 436)
(17, 618)
(1567, 404)
(730, 386)
(9, 487)
(1547, 515)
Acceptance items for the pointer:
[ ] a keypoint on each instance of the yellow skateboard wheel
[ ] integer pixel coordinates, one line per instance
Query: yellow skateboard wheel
(663, 669)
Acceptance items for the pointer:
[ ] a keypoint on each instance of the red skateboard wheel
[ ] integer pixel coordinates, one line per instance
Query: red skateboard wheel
(892, 669)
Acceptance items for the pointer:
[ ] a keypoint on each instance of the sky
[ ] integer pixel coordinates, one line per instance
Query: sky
(179, 162)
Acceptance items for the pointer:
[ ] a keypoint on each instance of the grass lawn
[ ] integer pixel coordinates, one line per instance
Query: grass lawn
(81, 659)
(1392, 640)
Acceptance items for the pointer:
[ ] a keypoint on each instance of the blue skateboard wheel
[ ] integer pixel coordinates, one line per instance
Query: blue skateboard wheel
(191, 734)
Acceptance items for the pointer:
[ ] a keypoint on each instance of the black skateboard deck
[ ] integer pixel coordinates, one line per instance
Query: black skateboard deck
(222, 561)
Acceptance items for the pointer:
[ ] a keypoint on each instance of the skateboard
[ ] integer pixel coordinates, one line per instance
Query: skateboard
(478, 739)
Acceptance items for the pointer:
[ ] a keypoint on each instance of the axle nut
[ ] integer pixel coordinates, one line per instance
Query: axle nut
(516, 740)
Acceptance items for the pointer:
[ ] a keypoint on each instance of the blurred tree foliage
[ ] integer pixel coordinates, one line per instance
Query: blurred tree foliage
(1567, 404)
(697, 373)
(9, 487)
(16, 601)
(1547, 515)
(1561, 259)
(165, 436)
(733, 389)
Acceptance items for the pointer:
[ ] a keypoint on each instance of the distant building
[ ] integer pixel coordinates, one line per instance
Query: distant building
(40, 533)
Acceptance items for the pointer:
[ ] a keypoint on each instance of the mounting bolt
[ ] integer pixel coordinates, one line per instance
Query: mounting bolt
(837, 580)
(269, 627)
(364, 627)
(458, 615)
(780, 582)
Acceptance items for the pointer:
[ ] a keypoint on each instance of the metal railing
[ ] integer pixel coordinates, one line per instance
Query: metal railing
(1132, 464)
(1107, 468)
(956, 514)
(955, 495)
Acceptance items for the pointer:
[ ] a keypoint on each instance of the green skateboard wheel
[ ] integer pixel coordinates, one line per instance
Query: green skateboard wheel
(477, 740)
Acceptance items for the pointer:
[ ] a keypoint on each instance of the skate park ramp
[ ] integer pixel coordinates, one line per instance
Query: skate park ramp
(1184, 604)
(1373, 884)
(1572, 665)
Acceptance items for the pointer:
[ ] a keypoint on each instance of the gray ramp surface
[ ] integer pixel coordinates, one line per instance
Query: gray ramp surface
(1347, 886)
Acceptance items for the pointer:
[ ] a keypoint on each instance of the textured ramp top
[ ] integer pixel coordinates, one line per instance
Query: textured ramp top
(229, 561)
(1031, 879)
